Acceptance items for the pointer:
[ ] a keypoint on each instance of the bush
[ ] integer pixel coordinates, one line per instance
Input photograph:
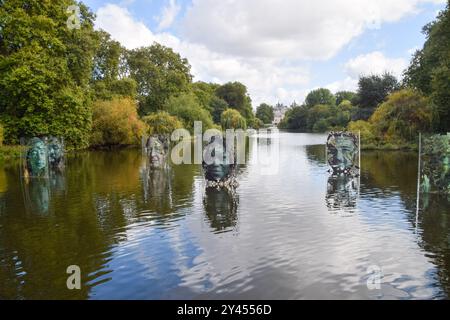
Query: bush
(255, 123)
(232, 119)
(402, 117)
(116, 122)
(368, 137)
(162, 123)
(187, 108)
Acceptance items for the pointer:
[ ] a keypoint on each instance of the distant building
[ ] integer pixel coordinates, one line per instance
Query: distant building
(279, 111)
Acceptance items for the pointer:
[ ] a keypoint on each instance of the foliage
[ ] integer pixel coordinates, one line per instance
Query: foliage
(402, 117)
(265, 113)
(368, 138)
(116, 122)
(2, 131)
(373, 90)
(296, 118)
(236, 96)
(320, 96)
(159, 73)
(187, 108)
(162, 123)
(232, 119)
(217, 106)
(45, 70)
(205, 93)
(255, 123)
(342, 96)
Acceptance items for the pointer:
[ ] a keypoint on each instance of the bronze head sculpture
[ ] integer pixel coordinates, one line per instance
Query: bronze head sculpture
(342, 153)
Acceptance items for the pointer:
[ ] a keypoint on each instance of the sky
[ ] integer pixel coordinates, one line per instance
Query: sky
(280, 50)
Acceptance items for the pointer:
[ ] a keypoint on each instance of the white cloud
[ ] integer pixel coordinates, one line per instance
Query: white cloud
(122, 26)
(375, 63)
(294, 29)
(268, 80)
(168, 15)
(264, 44)
(367, 64)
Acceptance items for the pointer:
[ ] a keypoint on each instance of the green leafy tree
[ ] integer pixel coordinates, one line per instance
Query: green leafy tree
(372, 91)
(159, 73)
(296, 118)
(316, 114)
(205, 93)
(162, 123)
(236, 96)
(108, 78)
(429, 70)
(187, 108)
(403, 116)
(232, 119)
(341, 96)
(45, 70)
(218, 106)
(116, 122)
(320, 96)
(265, 113)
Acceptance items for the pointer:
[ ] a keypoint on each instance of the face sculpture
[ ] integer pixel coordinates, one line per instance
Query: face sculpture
(37, 158)
(342, 152)
(221, 168)
(436, 164)
(55, 153)
(156, 152)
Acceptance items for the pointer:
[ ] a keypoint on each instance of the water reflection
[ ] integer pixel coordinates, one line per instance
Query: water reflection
(141, 235)
(342, 194)
(221, 206)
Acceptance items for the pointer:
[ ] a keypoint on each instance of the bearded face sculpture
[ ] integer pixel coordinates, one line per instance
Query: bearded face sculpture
(343, 151)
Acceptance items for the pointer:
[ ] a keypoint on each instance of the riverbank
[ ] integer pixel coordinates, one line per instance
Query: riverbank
(10, 152)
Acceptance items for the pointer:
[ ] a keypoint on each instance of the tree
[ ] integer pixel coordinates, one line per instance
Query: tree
(318, 113)
(429, 70)
(162, 123)
(373, 90)
(187, 108)
(116, 122)
(296, 118)
(236, 96)
(45, 69)
(217, 107)
(108, 78)
(403, 116)
(205, 93)
(320, 96)
(232, 119)
(344, 95)
(160, 73)
(265, 113)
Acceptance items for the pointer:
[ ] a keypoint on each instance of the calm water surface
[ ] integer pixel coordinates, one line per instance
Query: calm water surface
(294, 235)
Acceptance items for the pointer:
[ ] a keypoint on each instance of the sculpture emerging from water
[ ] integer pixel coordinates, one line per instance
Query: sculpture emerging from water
(436, 164)
(221, 171)
(157, 150)
(36, 159)
(342, 153)
(55, 149)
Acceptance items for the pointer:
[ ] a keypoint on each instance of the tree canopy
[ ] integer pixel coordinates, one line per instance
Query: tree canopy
(265, 113)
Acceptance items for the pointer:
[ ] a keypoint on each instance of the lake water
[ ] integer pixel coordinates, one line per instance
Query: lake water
(295, 234)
